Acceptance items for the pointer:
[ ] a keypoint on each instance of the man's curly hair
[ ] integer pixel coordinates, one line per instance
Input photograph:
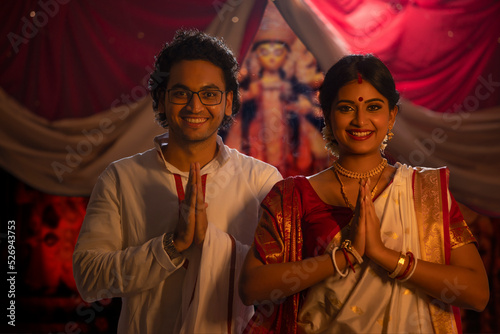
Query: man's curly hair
(193, 45)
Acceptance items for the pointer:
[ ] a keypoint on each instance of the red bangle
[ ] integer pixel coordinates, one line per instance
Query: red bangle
(348, 259)
(410, 263)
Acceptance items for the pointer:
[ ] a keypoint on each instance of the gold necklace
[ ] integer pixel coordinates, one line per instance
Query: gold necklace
(342, 190)
(374, 190)
(357, 175)
(346, 200)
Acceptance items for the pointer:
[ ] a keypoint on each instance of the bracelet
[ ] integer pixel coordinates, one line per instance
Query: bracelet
(347, 245)
(410, 262)
(348, 260)
(168, 246)
(335, 264)
(411, 272)
(400, 264)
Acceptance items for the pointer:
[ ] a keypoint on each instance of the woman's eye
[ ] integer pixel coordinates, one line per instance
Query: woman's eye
(374, 107)
(344, 108)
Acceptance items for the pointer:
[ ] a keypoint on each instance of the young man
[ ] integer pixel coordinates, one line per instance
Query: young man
(168, 229)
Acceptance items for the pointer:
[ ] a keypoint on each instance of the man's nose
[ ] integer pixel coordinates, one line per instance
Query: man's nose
(195, 104)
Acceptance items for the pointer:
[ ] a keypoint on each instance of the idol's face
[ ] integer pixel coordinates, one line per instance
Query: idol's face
(272, 56)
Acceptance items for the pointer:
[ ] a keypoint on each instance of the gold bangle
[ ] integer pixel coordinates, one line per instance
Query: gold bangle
(411, 272)
(401, 262)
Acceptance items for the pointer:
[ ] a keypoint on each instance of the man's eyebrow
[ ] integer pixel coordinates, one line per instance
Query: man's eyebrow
(211, 86)
(182, 86)
(178, 85)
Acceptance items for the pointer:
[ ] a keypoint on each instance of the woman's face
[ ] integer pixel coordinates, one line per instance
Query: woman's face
(360, 118)
(272, 56)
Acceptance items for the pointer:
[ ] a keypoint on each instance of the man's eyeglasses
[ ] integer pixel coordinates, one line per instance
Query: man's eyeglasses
(209, 97)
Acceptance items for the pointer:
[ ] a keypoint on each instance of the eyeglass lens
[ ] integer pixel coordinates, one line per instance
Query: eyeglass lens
(184, 96)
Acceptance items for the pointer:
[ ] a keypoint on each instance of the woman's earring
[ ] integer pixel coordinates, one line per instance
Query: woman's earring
(388, 137)
(390, 134)
(331, 143)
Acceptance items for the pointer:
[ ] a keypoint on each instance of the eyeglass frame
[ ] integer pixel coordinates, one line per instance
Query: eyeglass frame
(197, 93)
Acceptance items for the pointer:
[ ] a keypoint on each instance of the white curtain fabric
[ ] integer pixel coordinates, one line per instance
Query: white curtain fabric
(468, 144)
(65, 157)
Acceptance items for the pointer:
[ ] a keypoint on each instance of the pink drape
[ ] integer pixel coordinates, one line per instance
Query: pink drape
(444, 54)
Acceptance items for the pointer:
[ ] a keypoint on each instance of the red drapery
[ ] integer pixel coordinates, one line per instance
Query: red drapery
(71, 59)
(444, 54)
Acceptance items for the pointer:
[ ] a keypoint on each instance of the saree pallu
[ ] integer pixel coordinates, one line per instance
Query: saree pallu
(414, 216)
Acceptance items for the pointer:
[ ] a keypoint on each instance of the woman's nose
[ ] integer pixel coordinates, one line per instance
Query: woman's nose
(360, 118)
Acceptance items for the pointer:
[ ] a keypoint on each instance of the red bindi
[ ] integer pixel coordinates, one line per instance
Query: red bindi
(360, 99)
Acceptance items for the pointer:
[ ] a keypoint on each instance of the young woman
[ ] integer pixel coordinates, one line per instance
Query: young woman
(363, 246)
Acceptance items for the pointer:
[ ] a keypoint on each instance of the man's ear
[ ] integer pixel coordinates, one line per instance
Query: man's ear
(229, 103)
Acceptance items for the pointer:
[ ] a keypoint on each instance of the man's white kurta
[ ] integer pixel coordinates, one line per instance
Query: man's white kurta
(119, 252)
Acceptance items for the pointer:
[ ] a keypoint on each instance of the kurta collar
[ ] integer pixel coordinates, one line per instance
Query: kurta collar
(221, 158)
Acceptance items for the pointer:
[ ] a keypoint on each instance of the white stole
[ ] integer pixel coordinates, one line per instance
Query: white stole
(215, 306)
